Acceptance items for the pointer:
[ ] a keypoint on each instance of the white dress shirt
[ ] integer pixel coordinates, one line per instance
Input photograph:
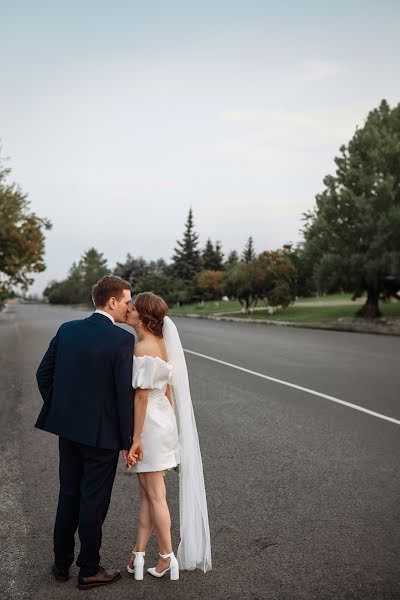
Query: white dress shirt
(102, 312)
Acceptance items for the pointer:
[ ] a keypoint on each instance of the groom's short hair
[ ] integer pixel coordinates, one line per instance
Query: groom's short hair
(107, 287)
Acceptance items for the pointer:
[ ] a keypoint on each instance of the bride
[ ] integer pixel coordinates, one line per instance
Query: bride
(166, 433)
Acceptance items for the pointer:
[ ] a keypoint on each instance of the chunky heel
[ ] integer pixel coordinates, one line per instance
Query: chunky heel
(139, 573)
(138, 565)
(174, 573)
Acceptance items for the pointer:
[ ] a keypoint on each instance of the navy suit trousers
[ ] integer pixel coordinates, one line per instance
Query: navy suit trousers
(86, 480)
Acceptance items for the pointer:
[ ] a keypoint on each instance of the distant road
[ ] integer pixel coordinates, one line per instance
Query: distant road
(303, 492)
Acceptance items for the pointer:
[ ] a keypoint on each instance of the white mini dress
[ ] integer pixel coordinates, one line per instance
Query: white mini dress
(159, 438)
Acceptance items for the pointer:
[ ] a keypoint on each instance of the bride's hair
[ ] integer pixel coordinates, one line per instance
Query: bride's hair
(152, 310)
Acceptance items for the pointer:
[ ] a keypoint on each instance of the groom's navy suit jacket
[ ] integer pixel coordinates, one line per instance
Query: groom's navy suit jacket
(85, 379)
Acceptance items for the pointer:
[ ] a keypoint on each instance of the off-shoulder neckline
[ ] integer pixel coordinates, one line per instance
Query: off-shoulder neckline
(167, 362)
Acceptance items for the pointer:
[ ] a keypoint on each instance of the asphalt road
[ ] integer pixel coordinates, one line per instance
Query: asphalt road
(303, 493)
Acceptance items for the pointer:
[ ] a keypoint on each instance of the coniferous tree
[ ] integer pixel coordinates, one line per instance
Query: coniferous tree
(248, 253)
(352, 235)
(212, 257)
(132, 269)
(94, 267)
(232, 260)
(219, 257)
(77, 287)
(158, 267)
(75, 282)
(208, 256)
(187, 260)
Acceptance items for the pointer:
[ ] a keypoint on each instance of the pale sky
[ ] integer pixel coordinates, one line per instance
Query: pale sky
(118, 116)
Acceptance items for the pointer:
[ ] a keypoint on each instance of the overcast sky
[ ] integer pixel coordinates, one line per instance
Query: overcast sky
(119, 115)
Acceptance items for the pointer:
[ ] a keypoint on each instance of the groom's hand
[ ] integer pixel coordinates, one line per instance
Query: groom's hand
(124, 454)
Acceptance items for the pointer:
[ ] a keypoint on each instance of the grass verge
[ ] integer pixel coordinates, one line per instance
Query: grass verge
(316, 314)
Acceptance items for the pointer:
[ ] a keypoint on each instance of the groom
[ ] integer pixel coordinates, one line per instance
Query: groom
(85, 379)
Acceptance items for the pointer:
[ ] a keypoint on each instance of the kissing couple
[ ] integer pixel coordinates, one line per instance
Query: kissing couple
(103, 393)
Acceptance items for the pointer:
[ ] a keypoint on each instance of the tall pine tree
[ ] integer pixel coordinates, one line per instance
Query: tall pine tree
(248, 253)
(212, 256)
(93, 266)
(232, 260)
(187, 260)
(208, 256)
(219, 257)
(352, 235)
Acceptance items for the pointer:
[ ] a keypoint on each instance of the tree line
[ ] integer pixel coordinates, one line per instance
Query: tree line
(193, 275)
(351, 241)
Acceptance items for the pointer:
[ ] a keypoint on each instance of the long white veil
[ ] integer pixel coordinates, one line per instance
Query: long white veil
(194, 550)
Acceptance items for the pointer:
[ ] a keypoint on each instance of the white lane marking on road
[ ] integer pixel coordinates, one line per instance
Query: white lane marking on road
(297, 387)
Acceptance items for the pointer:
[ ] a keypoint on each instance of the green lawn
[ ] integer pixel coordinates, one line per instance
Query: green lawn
(326, 298)
(208, 308)
(317, 314)
(299, 312)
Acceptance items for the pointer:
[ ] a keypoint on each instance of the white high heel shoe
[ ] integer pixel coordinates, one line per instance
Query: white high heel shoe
(138, 565)
(173, 567)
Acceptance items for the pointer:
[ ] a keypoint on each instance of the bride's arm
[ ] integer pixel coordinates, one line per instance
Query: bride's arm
(140, 406)
(141, 399)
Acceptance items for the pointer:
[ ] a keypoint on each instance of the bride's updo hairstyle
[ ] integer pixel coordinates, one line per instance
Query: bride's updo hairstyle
(152, 310)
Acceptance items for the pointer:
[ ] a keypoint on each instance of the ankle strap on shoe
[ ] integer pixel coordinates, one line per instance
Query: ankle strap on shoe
(170, 555)
(135, 552)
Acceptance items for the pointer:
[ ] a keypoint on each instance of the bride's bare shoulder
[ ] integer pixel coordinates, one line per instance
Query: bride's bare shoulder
(150, 348)
(140, 348)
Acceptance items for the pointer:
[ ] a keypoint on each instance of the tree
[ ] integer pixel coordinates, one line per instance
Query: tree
(277, 278)
(187, 260)
(248, 252)
(212, 257)
(269, 277)
(132, 269)
(208, 255)
(242, 282)
(61, 292)
(357, 216)
(158, 284)
(210, 284)
(77, 287)
(173, 290)
(93, 266)
(233, 259)
(303, 262)
(158, 267)
(22, 240)
(219, 257)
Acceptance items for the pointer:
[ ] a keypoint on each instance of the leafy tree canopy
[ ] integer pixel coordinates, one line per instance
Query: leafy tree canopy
(353, 233)
(22, 240)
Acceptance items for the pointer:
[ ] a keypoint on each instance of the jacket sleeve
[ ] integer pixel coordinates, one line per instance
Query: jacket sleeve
(45, 372)
(124, 390)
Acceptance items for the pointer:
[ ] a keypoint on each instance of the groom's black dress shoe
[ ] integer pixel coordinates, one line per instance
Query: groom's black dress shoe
(60, 574)
(103, 577)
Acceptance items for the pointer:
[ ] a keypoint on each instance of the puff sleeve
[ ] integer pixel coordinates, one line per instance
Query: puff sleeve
(150, 372)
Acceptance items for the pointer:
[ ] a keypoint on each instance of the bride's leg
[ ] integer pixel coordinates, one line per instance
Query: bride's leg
(154, 485)
(145, 525)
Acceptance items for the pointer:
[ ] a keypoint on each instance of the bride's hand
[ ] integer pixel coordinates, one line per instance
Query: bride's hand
(128, 461)
(135, 453)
